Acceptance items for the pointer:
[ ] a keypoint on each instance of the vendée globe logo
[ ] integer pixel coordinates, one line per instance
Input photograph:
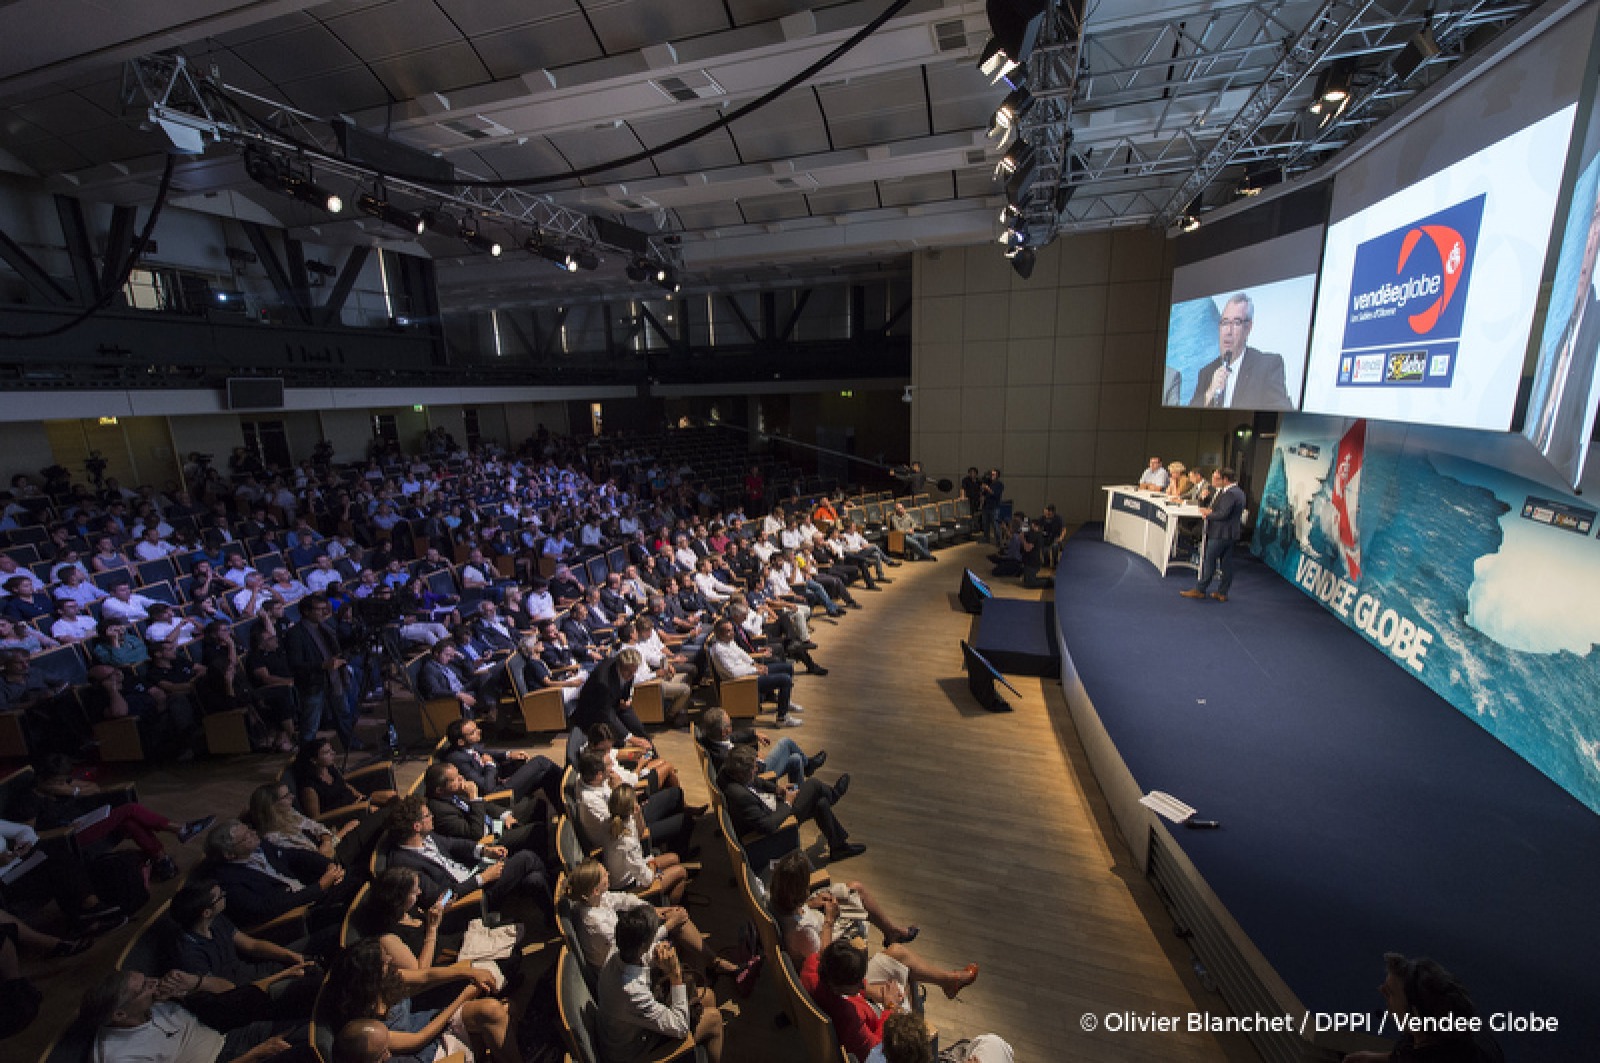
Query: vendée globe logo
(1408, 300)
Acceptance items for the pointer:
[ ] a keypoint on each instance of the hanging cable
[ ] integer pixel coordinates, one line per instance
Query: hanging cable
(123, 272)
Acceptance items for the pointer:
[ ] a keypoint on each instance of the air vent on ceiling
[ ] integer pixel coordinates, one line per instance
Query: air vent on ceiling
(692, 85)
(476, 127)
(977, 157)
(950, 36)
(786, 182)
(636, 203)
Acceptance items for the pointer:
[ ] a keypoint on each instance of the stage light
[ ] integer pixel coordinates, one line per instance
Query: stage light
(666, 279)
(1015, 238)
(1332, 93)
(468, 234)
(1022, 262)
(554, 255)
(1188, 223)
(277, 175)
(1017, 169)
(638, 269)
(1012, 108)
(587, 259)
(390, 214)
(1015, 25)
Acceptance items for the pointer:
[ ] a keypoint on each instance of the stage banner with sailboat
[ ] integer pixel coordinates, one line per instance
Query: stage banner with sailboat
(1480, 583)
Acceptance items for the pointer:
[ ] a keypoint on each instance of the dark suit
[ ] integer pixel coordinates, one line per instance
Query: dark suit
(319, 688)
(433, 680)
(813, 801)
(456, 817)
(254, 897)
(600, 701)
(493, 770)
(524, 874)
(1260, 385)
(1223, 527)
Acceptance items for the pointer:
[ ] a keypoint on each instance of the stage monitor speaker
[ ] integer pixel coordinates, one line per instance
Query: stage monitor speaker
(981, 678)
(974, 592)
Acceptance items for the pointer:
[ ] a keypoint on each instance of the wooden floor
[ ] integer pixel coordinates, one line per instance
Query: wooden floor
(987, 830)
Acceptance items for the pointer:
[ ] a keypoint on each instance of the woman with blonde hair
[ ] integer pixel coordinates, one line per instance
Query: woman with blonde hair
(624, 850)
(1179, 482)
(275, 818)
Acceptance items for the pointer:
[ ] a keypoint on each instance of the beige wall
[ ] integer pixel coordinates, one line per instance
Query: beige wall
(1054, 379)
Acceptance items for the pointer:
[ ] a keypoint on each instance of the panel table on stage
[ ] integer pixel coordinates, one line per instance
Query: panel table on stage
(1147, 524)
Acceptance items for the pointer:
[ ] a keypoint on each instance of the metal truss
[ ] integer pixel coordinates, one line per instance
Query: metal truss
(1300, 56)
(1047, 128)
(176, 97)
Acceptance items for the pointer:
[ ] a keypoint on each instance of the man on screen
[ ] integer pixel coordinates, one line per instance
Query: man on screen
(1241, 377)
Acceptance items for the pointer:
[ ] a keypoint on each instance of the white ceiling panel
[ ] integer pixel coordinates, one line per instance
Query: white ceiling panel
(710, 152)
(760, 209)
(908, 191)
(394, 28)
(709, 216)
(270, 27)
(599, 146)
(439, 69)
(789, 125)
(476, 17)
(539, 45)
(876, 110)
(746, 12)
(826, 202)
(628, 25)
(339, 90)
(300, 53)
(962, 97)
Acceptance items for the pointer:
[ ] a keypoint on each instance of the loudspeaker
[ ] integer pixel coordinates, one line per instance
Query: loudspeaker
(974, 592)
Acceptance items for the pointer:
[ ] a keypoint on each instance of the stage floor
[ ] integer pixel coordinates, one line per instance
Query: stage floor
(1361, 813)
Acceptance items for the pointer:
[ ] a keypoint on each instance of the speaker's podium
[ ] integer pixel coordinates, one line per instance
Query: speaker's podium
(981, 678)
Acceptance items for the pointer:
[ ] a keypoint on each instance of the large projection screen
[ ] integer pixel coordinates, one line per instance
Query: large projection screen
(1238, 326)
(1437, 243)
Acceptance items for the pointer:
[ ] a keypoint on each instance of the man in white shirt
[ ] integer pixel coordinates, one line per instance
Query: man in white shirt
(1155, 478)
(125, 605)
(238, 568)
(76, 586)
(73, 625)
(634, 1026)
(286, 588)
(732, 662)
(711, 589)
(319, 578)
(137, 1022)
(247, 603)
(151, 548)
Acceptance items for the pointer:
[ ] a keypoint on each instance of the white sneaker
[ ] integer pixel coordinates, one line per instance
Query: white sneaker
(789, 721)
(796, 707)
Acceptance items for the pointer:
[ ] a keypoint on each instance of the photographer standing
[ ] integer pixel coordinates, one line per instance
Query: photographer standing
(319, 672)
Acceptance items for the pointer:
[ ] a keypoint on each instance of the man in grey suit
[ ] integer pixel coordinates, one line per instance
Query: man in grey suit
(1241, 377)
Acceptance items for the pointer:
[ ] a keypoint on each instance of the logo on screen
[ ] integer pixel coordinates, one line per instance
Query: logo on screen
(1407, 366)
(1408, 298)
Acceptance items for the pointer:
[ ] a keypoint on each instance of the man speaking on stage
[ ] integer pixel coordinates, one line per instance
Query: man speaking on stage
(1241, 377)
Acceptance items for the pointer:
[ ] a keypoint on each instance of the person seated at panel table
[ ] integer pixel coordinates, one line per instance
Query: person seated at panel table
(1155, 478)
(1420, 992)
(1179, 482)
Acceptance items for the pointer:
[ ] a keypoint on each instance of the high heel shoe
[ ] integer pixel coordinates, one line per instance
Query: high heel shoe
(964, 977)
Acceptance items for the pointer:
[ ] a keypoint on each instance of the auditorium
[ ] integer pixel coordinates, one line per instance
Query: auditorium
(554, 531)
